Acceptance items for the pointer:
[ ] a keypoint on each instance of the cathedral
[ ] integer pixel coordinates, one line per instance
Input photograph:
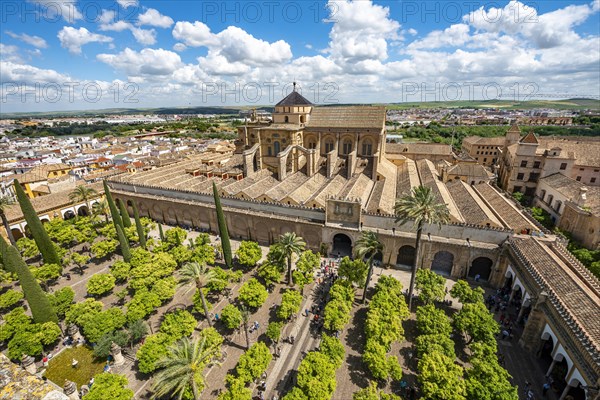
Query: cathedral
(302, 137)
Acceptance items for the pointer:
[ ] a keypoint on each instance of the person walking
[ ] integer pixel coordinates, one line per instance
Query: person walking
(545, 388)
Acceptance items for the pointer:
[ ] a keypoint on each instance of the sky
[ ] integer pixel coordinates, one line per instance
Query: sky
(79, 54)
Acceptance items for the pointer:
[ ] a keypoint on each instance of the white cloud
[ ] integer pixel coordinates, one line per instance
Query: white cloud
(366, 56)
(544, 30)
(26, 74)
(308, 46)
(10, 53)
(217, 64)
(72, 39)
(360, 31)
(195, 34)
(146, 37)
(179, 47)
(189, 75)
(153, 18)
(65, 9)
(117, 26)
(35, 41)
(128, 3)
(238, 45)
(455, 35)
(232, 45)
(147, 62)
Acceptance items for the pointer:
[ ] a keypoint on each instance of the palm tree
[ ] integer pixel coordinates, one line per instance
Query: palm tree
(290, 244)
(422, 207)
(368, 246)
(182, 368)
(201, 275)
(85, 194)
(4, 203)
(101, 208)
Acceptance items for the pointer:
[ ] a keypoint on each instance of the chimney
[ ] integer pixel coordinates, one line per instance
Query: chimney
(582, 197)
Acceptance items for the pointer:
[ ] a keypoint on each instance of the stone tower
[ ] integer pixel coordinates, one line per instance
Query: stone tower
(512, 136)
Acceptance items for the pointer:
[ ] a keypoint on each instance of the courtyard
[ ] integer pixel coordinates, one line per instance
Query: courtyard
(280, 375)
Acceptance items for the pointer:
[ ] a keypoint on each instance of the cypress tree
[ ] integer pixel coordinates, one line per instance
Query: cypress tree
(114, 213)
(124, 244)
(161, 233)
(139, 227)
(41, 309)
(222, 228)
(124, 214)
(42, 240)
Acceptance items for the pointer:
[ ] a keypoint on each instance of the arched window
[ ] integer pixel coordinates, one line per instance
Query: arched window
(302, 119)
(287, 119)
(367, 148)
(277, 147)
(328, 146)
(312, 145)
(347, 147)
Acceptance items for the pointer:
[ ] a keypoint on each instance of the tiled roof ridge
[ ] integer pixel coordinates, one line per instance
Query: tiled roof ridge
(530, 138)
(223, 197)
(576, 265)
(581, 334)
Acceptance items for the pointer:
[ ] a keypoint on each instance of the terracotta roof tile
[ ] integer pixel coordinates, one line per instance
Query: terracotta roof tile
(529, 138)
(347, 117)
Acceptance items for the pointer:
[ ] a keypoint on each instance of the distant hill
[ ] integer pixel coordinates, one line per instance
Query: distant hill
(567, 104)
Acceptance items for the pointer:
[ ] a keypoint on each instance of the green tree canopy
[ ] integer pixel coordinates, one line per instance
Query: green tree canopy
(435, 342)
(253, 362)
(100, 284)
(231, 316)
(290, 304)
(373, 393)
(249, 253)
(178, 324)
(109, 386)
(252, 293)
(354, 271)
(475, 320)
(487, 380)
(465, 294)
(333, 348)
(431, 320)
(430, 285)
(154, 348)
(316, 376)
(274, 331)
(441, 378)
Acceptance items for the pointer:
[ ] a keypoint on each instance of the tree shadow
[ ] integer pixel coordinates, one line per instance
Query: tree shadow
(287, 382)
(356, 335)
(355, 340)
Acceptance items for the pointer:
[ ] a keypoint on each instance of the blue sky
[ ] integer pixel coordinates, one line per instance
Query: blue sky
(132, 53)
